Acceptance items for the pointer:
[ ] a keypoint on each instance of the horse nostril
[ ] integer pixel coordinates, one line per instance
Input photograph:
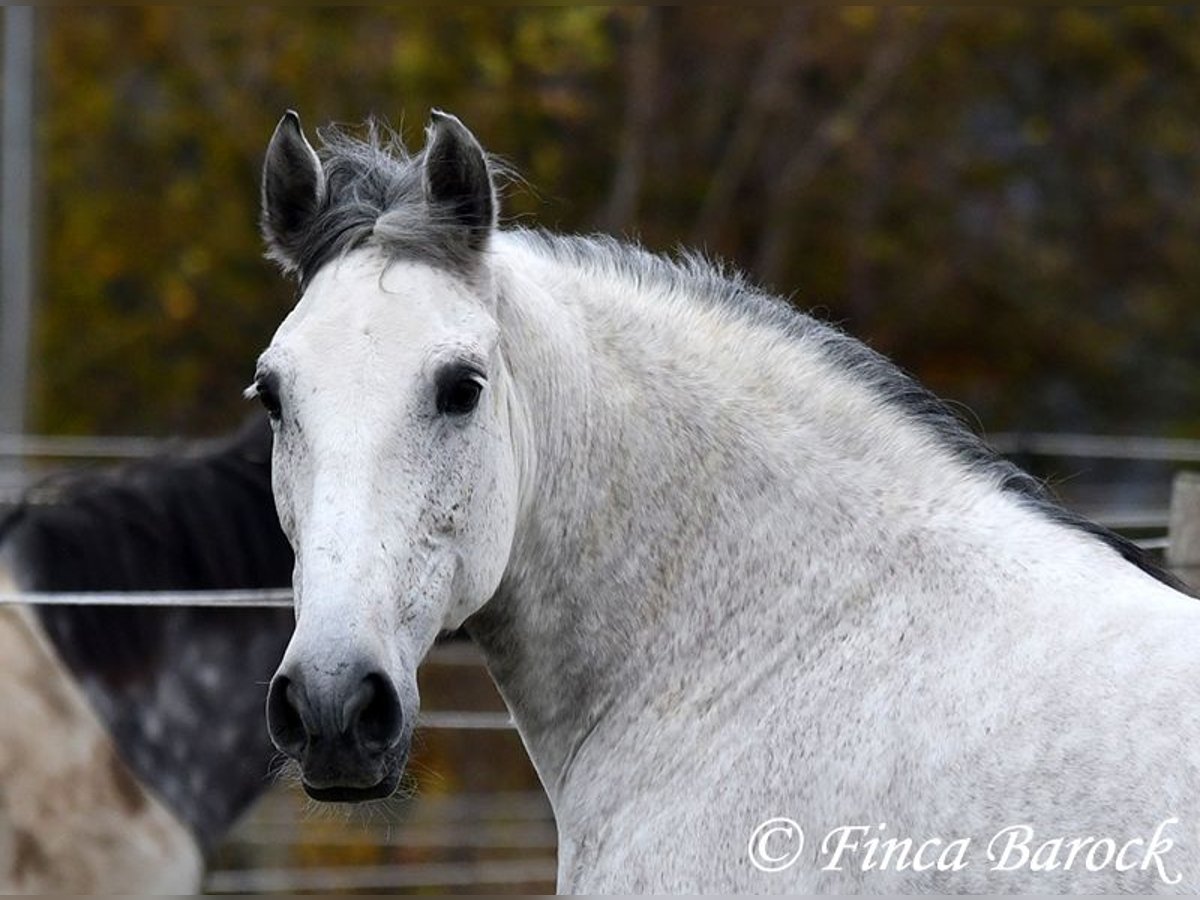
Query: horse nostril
(373, 713)
(285, 718)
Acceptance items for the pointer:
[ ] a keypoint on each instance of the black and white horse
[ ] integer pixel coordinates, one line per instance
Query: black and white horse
(132, 737)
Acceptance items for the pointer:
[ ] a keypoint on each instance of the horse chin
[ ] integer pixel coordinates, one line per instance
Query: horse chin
(353, 792)
(380, 791)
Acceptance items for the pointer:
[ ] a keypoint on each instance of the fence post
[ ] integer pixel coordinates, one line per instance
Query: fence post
(17, 213)
(1183, 548)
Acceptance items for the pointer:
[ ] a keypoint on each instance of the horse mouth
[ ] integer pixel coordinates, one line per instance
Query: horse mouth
(353, 794)
(331, 783)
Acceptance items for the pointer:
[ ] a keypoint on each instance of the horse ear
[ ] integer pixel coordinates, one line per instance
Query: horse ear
(457, 177)
(293, 186)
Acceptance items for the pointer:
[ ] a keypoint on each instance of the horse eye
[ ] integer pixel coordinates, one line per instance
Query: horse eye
(269, 398)
(458, 392)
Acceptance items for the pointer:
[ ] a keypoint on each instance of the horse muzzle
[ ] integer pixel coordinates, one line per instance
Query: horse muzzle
(345, 729)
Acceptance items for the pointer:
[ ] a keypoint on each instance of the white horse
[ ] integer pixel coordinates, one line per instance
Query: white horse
(737, 577)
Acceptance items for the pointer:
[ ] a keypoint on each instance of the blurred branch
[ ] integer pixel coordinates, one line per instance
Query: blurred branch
(864, 214)
(194, 45)
(640, 104)
(839, 128)
(767, 93)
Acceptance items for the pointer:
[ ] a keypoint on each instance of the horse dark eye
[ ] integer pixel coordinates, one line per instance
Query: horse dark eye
(459, 394)
(269, 398)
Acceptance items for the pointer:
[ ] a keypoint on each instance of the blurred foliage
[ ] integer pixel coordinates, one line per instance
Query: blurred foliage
(1006, 201)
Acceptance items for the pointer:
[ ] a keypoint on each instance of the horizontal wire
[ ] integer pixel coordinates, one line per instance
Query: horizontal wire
(261, 597)
(1099, 446)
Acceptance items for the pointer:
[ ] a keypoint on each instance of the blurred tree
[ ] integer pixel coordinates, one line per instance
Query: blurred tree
(156, 298)
(1004, 200)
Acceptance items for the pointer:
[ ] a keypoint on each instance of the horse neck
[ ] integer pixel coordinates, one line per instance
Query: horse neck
(698, 484)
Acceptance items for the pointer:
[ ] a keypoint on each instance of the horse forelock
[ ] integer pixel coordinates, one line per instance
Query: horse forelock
(375, 194)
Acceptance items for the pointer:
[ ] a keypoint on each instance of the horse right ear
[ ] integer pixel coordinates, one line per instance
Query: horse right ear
(458, 179)
(293, 186)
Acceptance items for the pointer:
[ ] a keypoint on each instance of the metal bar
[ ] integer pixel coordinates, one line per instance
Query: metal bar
(538, 835)
(1158, 543)
(1097, 446)
(457, 653)
(467, 721)
(287, 803)
(1149, 519)
(23, 446)
(16, 215)
(366, 878)
(1093, 446)
(233, 598)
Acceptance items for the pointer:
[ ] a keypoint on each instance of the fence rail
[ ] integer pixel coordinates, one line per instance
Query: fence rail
(498, 873)
(291, 855)
(1037, 443)
(1096, 446)
(251, 599)
(45, 446)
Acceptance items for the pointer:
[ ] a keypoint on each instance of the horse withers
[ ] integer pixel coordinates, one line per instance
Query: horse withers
(740, 580)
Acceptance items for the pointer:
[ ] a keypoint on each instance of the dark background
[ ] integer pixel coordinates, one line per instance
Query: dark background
(1005, 201)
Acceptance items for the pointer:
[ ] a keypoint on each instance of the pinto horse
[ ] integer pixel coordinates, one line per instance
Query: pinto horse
(132, 737)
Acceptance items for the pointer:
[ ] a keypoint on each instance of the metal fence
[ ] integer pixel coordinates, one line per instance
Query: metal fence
(477, 820)
(463, 827)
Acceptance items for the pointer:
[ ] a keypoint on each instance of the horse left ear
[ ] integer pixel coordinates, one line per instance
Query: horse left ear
(457, 177)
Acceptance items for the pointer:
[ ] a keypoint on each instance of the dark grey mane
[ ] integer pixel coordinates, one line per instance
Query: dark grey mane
(374, 194)
(181, 689)
(707, 282)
